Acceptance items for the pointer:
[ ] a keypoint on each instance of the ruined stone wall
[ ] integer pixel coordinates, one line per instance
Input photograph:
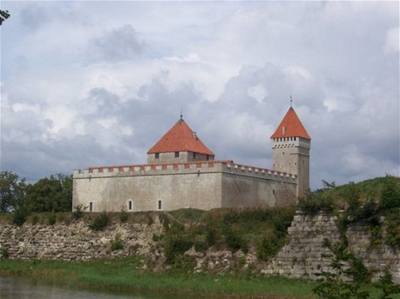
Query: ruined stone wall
(76, 241)
(305, 255)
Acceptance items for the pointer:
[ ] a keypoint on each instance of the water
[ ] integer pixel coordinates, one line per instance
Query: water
(17, 288)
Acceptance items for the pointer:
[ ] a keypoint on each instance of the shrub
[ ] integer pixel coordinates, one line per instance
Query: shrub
(210, 236)
(35, 219)
(117, 243)
(393, 229)
(51, 219)
(390, 197)
(269, 247)
(123, 216)
(78, 213)
(316, 202)
(176, 245)
(19, 216)
(100, 222)
(3, 253)
(234, 240)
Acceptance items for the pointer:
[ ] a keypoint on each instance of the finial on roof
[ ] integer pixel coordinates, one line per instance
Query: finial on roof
(291, 101)
(181, 115)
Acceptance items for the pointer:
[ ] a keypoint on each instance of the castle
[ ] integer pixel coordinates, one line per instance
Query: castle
(181, 172)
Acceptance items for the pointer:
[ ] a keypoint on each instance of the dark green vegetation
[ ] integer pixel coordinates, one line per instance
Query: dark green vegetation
(225, 229)
(362, 203)
(52, 194)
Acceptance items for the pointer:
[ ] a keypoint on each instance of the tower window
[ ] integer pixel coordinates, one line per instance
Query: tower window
(159, 205)
(194, 155)
(157, 155)
(130, 205)
(176, 154)
(90, 207)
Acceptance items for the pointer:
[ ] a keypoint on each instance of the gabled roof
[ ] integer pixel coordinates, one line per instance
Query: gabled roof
(291, 126)
(180, 138)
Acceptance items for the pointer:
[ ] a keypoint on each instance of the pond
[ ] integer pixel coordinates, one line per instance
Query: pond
(18, 288)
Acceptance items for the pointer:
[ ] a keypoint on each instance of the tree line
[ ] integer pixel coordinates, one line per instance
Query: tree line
(49, 194)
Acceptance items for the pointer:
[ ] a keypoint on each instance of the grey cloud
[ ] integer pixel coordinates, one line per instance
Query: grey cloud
(119, 44)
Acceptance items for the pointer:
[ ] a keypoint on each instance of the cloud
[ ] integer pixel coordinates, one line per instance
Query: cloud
(116, 45)
(102, 90)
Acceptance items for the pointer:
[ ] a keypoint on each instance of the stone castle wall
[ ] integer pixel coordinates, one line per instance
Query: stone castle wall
(201, 185)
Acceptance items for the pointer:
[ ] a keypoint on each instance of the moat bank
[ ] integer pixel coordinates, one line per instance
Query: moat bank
(121, 276)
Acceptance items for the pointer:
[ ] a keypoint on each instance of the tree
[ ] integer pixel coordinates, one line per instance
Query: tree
(12, 191)
(52, 194)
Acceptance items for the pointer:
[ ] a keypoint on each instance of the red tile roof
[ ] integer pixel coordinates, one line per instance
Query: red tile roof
(180, 138)
(291, 126)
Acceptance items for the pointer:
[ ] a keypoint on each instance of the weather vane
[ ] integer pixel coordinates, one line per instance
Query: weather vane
(291, 101)
(3, 15)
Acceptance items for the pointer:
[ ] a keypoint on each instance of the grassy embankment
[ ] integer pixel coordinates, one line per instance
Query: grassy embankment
(122, 275)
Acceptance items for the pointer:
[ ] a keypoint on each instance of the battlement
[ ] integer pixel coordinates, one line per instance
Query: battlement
(181, 168)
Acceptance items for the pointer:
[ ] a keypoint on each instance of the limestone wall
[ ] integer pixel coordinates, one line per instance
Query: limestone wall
(305, 255)
(75, 241)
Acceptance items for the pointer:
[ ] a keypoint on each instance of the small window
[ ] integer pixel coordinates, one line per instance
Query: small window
(130, 205)
(194, 155)
(159, 205)
(273, 191)
(208, 157)
(176, 154)
(157, 156)
(90, 207)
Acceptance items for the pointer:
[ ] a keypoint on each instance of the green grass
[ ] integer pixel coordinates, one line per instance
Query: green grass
(122, 275)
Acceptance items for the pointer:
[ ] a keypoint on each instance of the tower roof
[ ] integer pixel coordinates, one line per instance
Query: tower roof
(291, 126)
(180, 138)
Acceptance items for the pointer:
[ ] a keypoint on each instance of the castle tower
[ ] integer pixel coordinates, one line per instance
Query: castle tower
(291, 150)
(179, 145)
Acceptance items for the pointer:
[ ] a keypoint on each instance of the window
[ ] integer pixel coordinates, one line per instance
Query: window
(130, 205)
(208, 157)
(157, 155)
(194, 155)
(176, 154)
(159, 205)
(90, 207)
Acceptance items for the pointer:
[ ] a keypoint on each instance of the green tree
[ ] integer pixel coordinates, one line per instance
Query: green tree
(12, 191)
(52, 194)
(390, 197)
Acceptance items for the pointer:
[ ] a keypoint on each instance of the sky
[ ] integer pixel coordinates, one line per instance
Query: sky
(98, 83)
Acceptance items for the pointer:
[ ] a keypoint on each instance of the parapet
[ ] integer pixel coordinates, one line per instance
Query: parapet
(198, 167)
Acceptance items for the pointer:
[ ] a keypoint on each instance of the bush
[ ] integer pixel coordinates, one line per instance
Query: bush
(35, 219)
(390, 197)
(19, 216)
(117, 243)
(3, 253)
(51, 219)
(78, 213)
(99, 222)
(235, 241)
(176, 245)
(316, 202)
(269, 247)
(123, 216)
(393, 229)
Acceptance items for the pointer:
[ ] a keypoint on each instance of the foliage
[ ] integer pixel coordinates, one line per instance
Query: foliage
(51, 218)
(269, 247)
(123, 216)
(19, 215)
(393, 229)
(12, 191)
(234, 240)
(3, 253)
(316, 202)
(52, 194)
(387, 287)
(78, 212)
(175, 245)
(347, 278)
(117, 243)
(99, 222)
(390, 197)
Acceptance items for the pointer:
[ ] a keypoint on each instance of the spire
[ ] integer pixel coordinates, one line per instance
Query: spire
(291, 126)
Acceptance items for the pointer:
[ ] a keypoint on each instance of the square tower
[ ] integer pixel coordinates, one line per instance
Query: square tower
(291, 150)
